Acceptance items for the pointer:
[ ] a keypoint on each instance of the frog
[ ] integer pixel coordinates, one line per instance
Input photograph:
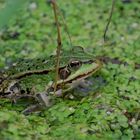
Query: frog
(35, 77)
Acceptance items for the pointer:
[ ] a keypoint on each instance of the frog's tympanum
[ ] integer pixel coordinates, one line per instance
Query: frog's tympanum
(35, 78)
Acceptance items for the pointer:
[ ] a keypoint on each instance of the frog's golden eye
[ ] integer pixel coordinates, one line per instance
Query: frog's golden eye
(75, 64)
(64, 73)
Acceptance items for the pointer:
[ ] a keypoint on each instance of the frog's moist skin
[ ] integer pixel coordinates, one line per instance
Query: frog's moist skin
(75, 65)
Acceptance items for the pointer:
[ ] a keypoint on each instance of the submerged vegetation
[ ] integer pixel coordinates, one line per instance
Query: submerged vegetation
(112, 111)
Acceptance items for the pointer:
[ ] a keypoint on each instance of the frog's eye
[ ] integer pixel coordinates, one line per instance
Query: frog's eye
(64, 73)
(75, 64)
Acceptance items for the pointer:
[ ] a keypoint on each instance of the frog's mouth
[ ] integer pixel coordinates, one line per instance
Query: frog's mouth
(83, 72)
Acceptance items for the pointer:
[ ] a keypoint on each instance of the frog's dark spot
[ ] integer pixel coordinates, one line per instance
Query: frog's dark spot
(97, 76)
(137, 66)
(44, 15)
(1, 80)
(5, 93)
(43, 60)
(38, 59)
(28, 64)
(22, 91)
(51, 56)
(29, 68)
(37, 67)
(28, 90)
(44, 72)
(121, 8)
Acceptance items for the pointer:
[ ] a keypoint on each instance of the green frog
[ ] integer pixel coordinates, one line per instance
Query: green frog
(35, 78)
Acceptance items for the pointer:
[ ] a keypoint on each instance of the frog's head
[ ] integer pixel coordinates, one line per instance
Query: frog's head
(75, 65)
(80, 65)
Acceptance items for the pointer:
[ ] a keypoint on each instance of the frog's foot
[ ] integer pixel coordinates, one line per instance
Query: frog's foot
(45, 99)
(33, 108)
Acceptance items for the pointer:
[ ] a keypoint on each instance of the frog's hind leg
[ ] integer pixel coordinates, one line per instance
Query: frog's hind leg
(16, 98)
(44, 101)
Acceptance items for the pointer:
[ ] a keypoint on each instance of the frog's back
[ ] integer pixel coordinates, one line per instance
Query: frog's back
(44, 65)
(26, 66)
(77, 53)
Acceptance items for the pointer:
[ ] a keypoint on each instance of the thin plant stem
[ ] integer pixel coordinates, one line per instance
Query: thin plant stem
(66, 28)
(110, 16)
(59, 44)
